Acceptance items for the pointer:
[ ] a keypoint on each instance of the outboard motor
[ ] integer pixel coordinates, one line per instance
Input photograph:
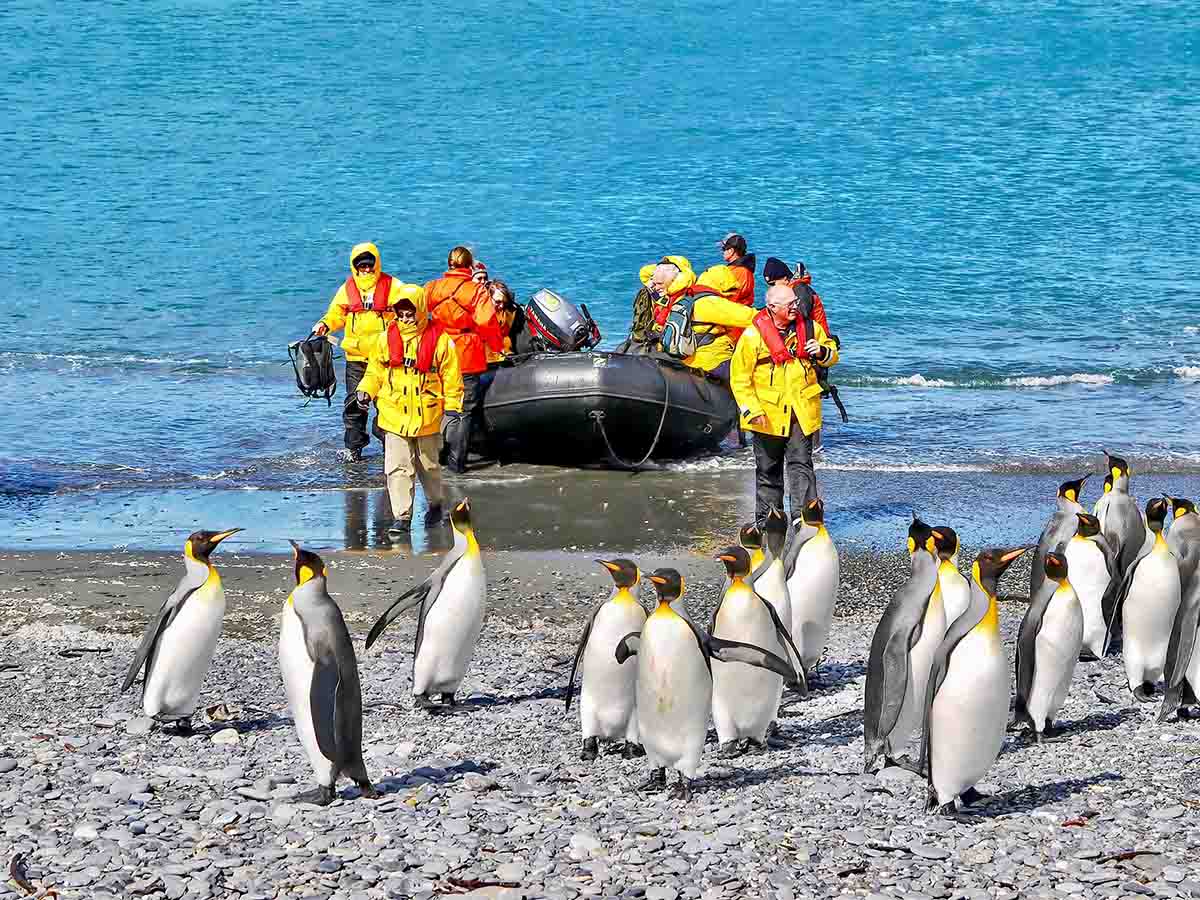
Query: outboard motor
(554, 324)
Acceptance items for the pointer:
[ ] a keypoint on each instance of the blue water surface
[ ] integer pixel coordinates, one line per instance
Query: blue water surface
(998, 201)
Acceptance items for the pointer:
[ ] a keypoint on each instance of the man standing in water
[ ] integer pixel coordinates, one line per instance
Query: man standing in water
(462, 307)
(362, 305)
(774, 381)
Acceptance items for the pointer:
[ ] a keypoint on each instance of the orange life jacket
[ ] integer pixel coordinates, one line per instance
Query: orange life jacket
(383, 289)
(780, 354)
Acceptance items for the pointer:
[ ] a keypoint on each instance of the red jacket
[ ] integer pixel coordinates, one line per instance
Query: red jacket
(463, 308)
(743, 270)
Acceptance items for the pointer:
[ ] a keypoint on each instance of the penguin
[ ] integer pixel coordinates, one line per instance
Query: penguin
(769, 579)
(813, 576)
(1058, 530)
(1148, 601)
(1092, 564)
(608, 693)
(751, 539)
(320, 677)
(1120, 520)
(1048, 645)
(1182, 674)
(674, 683)
(955, 590)
(966, 701)
(451, 605)
(745, 699)
(893, 674)
(178, 645)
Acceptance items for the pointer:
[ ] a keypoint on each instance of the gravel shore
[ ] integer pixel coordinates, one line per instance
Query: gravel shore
(494, 802)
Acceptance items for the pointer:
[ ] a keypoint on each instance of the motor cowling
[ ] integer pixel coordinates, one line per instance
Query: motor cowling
(554, 324)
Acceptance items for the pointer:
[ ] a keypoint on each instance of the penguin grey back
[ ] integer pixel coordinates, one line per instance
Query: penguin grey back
(1184, 542)
(888, 664)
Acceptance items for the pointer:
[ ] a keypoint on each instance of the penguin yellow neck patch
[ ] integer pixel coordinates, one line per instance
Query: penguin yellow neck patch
(990, 623)
(1160, 542)
(624, 597)
(664, 610)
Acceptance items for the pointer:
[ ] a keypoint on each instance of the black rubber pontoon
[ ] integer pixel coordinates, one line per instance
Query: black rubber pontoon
(559, 408)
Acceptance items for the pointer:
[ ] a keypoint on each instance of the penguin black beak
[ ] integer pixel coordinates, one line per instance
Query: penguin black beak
(295, 548)
(221, 535)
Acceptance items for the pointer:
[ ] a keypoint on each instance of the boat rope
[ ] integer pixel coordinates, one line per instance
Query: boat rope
(597, 416)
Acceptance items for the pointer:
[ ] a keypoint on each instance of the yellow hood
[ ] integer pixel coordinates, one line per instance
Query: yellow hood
(366, 282)
(719, 278)
(684, 280)
(414, 294)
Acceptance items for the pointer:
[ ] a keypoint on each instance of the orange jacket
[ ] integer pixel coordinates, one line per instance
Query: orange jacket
(743, 271)
(464, 310)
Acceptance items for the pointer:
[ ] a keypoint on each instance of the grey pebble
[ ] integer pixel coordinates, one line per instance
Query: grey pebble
(7, 764)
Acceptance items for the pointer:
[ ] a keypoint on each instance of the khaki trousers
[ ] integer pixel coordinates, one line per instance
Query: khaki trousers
(404, 457)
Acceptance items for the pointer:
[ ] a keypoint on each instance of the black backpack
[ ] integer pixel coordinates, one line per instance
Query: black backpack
(312, 358)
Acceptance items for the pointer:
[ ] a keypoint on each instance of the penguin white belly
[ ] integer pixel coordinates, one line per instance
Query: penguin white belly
(812, 593)
(1056, 651)
(969, 715)
(1149, 615)
(674, 694)
(608, 695)
(184, 653)
(956, 595)
(1089, 577)
(745, 699)
(920, 659)
(452, 628)
(296, 667)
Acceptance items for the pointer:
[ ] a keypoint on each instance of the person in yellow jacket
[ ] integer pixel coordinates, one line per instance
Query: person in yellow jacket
(716, 319)
(414, 379)
(362, 305)
(774, 381)
(663, 282)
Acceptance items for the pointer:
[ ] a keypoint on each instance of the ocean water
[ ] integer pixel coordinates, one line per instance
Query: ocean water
(998, 202)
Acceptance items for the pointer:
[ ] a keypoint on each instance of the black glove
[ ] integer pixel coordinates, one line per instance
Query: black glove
(363, 399)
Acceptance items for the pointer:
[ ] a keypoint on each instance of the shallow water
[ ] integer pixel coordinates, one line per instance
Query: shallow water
(998, 202)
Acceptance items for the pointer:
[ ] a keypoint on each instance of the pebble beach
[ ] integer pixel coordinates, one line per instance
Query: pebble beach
(493, 801)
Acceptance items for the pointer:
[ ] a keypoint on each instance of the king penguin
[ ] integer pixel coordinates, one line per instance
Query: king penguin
(1058, 530)
(745, 699)
(674, 683)
(892, 701)
(1147, 602)
(813, 573)
(1120, 520)
(954, 588)
(1048, 645)
(1092, 564)
(451, 605)
(320, 676)
(608, 694)
(966, 701)
(751, 539)
(1183, 658)
(178, 645)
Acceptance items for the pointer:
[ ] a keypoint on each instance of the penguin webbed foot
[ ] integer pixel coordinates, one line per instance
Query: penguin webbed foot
(368, 790)
(682, 789)
(903, 762)
(730, 750)
(590, 749)
(1144, 693)
(751, 747)
(655, 783)
(322, 795)
(423, 701)
(179, 728)
(970, 795)
(632, 750)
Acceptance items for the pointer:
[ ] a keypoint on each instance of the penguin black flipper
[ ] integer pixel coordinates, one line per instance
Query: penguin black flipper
(144, 658)
(768, 558)
(785, 640)
(430, 587)
(1114, 599)
(750, 655)
(889, 671)
(962, 626)
(322, 700)
(793, 551)
(1183, 635)
(1031, 625)
(628, 646)
(335, 694)
(1110, 555)
(583, 642)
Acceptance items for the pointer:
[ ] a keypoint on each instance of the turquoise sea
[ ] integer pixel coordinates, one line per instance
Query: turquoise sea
(999, 203)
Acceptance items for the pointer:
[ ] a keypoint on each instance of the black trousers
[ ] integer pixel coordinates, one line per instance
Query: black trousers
(353, 418)
(458, 438)
(777, 459)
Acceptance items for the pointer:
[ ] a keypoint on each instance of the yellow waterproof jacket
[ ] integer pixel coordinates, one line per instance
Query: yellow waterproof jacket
(713, 317)
(362, 328)
(684, 280)
(779, 392)
(411, 402)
